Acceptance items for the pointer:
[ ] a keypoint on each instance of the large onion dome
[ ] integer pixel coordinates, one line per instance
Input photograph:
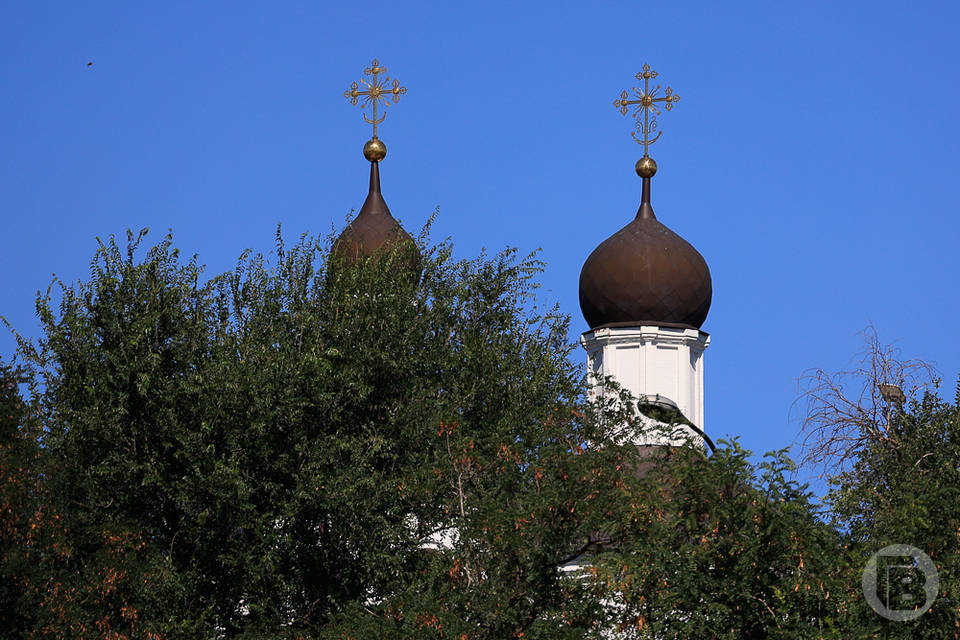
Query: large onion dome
(645, 273)
(374, 229)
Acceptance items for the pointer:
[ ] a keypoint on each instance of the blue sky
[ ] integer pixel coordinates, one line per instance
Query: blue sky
(812, 159)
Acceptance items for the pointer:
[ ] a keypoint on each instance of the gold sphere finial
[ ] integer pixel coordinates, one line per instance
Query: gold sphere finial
(646, 167)
(374, 150)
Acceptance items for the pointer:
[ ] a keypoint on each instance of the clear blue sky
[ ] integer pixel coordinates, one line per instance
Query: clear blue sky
(812, 159)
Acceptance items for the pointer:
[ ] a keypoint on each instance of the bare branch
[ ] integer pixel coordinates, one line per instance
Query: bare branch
(847, 410)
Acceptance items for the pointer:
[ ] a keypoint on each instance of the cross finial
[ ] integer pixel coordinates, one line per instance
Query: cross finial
(376, 93)
(646, 102)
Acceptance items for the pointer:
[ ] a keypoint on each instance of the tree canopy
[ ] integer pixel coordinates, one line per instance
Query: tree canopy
(405, 447)
(312, 448)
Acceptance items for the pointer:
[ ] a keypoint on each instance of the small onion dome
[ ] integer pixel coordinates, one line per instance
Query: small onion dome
(645, 273)
(373, 228)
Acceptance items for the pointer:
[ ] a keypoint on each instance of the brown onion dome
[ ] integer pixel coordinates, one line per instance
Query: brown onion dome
(374, 228)
(645, 273)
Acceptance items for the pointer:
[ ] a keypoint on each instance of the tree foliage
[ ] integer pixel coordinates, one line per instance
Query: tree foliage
(905, 489)
(890, 446)
(311, 448)
(720, 547)
(406, 447)
(18, 503)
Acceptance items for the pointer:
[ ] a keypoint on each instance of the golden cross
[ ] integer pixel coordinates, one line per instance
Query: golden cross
(375, 93)
(647, 102)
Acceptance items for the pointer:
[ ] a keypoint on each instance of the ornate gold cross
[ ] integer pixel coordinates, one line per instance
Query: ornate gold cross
(376, 92)
(646, 102)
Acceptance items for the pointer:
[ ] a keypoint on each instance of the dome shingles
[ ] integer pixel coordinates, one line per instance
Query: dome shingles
(645, 273)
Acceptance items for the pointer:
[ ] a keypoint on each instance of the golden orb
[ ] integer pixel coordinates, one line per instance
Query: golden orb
(646, 167)
(374, 150)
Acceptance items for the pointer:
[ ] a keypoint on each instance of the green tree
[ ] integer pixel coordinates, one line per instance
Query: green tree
(311, 449)
(891, 447)
(405, 448)
(18, 505)
(906, 490)
(718, 547)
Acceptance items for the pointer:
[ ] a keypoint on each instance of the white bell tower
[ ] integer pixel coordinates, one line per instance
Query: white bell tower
(645, 292)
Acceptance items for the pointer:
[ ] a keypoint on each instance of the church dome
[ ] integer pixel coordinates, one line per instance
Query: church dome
(645, 273)
(374, 229)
